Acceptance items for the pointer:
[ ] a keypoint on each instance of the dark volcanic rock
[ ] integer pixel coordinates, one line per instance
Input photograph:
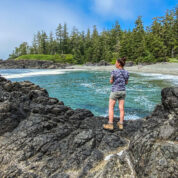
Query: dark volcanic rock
(29, 64)
(102, 63)
(41, 137)
(129, 64)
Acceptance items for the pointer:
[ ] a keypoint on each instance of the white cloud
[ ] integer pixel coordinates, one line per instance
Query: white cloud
(104, 5)
(117, 8)
(126, 9)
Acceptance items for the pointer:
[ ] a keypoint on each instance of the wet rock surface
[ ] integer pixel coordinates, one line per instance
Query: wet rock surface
(41, 137)
(30, 64)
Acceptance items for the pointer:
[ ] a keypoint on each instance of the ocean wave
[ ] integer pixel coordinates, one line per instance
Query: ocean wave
(132, 117)
(145, 102)
(140, 90)
(154, 76)
(126, 117)
(37, 72)
(100, 90)
(88, 85)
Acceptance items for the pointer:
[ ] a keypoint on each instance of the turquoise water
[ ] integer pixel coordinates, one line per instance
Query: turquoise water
(90, 89)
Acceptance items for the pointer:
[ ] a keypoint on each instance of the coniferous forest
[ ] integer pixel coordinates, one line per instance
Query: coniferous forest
(155, 43)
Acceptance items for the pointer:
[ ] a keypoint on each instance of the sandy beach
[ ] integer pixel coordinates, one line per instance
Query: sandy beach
(159, 68)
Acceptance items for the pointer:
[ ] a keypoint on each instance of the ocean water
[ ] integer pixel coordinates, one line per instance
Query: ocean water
(91, 89)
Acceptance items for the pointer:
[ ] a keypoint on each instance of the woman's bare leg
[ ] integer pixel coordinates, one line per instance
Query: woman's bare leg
(121, 108)
(111, 110)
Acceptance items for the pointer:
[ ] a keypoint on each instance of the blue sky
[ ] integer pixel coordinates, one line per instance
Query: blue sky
(21, 19)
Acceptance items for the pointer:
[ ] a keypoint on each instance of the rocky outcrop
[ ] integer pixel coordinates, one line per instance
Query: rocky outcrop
(100, 63)
(30, 64)
(41, 137)
(129, 64)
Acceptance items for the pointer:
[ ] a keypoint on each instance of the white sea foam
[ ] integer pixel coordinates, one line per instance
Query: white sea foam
(131, 117)
(88, 85)
(139, 90)
(100, 90)
(38, 72)
(126, 117)
(30, 74)
(154, 76)
(145, 102)
(104, 90)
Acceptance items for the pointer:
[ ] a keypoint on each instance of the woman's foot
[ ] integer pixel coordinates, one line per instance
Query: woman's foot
(108, 126)
(120, 125)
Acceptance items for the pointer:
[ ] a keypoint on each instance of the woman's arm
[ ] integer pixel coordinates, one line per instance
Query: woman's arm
(111, 80)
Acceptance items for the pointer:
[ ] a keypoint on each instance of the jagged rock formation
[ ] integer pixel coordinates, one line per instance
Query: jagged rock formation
(30, 64)
(41, 137)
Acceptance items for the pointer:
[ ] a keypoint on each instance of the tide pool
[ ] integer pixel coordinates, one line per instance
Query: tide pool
(91, 89)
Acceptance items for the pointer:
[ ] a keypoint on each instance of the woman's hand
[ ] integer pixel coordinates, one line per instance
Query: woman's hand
(111, 80)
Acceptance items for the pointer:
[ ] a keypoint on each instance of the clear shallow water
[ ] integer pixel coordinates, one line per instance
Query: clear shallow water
(91, 89)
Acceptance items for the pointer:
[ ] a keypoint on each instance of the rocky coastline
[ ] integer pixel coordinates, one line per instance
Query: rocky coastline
(40, 137)
(30, 64)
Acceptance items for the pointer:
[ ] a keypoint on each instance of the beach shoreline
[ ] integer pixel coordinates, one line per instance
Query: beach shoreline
(158, 68)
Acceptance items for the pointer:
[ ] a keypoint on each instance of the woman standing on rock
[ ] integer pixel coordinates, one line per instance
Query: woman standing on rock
(119, 78)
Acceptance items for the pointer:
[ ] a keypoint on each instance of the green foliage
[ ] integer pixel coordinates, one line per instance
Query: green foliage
(155, 43)
(149, 58)
(173, 60)
(63, 58)
(113, 61)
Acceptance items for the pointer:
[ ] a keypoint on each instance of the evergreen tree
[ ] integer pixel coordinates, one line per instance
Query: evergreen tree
(34, 48)
(65, 40)
(52, 45)
(23, 49)
(42, 42)
(155, 48)
(105, 51)
(88, 47)
(95, 45)
(139, 41)
(168, 32)
(75, 45)
(156, 27)
(59, 38)
(174, 52)
(115, 36)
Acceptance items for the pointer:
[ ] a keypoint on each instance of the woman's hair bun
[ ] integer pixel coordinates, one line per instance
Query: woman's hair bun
(122, 60)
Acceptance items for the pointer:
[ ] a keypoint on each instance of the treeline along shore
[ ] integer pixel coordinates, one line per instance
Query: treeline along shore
(155, 43)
